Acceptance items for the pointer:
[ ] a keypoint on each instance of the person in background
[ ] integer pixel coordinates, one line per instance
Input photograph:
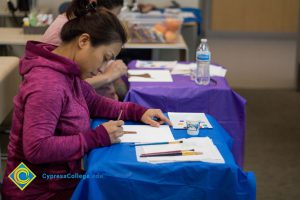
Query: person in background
(51, 121)
(104, 82)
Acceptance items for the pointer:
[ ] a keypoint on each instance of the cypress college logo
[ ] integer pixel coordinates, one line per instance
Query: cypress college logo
(22, 176)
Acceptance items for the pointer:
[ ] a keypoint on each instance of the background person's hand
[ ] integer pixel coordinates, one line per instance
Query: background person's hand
(114, 130)
(151, 114)
(116, 69)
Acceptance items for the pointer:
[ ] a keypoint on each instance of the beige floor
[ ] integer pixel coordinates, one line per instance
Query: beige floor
(273, 142)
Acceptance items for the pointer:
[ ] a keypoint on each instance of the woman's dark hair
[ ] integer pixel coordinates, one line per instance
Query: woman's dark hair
(77, 5)
(102, 26)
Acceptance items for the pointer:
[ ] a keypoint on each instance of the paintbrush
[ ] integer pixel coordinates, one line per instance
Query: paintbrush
(145, 75)
(129, 132)
(119, 117)
(155, 143)
(172, 153)
(125, 132)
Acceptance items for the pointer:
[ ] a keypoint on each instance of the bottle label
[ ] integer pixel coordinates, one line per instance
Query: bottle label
(203, 57)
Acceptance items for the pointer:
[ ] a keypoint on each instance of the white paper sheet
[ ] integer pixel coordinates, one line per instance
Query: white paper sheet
(155, 76)
(146, 133)
(180, 68)
(210, 152)
(179, 119)
(185, 69)
(187, 15)
(155, 64)
(217, 71)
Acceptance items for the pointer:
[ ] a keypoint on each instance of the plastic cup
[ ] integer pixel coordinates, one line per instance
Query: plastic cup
(193, 127)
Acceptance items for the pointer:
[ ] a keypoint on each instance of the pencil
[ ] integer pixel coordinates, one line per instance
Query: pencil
(155, 143)
(119, 117)
(126, 132)
(129, 132)
(172, 153)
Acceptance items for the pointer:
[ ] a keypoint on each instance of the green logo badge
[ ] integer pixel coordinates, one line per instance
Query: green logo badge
(22, 176)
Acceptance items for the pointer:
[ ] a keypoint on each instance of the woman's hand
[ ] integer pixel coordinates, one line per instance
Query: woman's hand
(116, 69)
(150, 114)
(114, 130)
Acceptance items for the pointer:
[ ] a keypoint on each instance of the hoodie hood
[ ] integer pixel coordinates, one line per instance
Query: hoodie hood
(38, 54)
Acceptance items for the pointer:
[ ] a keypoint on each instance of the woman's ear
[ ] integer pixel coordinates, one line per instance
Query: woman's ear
(84, 40)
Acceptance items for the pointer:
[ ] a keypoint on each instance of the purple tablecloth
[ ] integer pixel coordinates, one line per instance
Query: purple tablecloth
(183, 95)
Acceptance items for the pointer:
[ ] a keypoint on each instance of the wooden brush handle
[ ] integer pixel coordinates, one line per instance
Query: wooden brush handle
(146, 75)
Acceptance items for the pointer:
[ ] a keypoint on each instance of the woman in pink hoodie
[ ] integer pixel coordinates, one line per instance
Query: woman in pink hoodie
(103, 83)
(51, 120)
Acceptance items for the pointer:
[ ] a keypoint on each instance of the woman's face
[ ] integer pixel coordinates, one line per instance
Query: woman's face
(94, 59)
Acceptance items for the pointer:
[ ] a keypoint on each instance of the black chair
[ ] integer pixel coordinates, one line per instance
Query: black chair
(63, 7)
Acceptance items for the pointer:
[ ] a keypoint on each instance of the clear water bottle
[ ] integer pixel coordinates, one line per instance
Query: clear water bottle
(203, 58)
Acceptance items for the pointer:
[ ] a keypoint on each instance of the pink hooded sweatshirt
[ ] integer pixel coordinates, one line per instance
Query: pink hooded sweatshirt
(51, 122)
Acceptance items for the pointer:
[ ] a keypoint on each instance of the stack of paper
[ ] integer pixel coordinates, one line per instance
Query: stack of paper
(146, 133)
(155, 64)
(185, 69)
(179, 119)
(180, 68)
(205, 145)
(187, 15)
(149, 76)
(217, 71)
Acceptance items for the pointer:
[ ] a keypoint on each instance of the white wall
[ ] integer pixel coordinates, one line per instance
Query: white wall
(3, 5)
(165, 3)
(53, 4)
(256, 63)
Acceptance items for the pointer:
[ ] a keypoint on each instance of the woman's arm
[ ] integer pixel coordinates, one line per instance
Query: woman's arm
(40, 144)
(99, 80)
(113, 71)
(100, 106)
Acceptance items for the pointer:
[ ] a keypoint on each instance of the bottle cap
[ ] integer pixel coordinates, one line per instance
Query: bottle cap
(204, 40)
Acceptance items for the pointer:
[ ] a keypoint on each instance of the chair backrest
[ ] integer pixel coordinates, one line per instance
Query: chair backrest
(63, 7)
(9, 84)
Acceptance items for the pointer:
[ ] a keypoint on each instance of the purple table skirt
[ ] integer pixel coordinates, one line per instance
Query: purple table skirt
(183, 95)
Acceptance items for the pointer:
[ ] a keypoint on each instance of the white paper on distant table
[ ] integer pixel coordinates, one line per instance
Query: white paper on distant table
(155, 64)
(185, 69)
(156, 76)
